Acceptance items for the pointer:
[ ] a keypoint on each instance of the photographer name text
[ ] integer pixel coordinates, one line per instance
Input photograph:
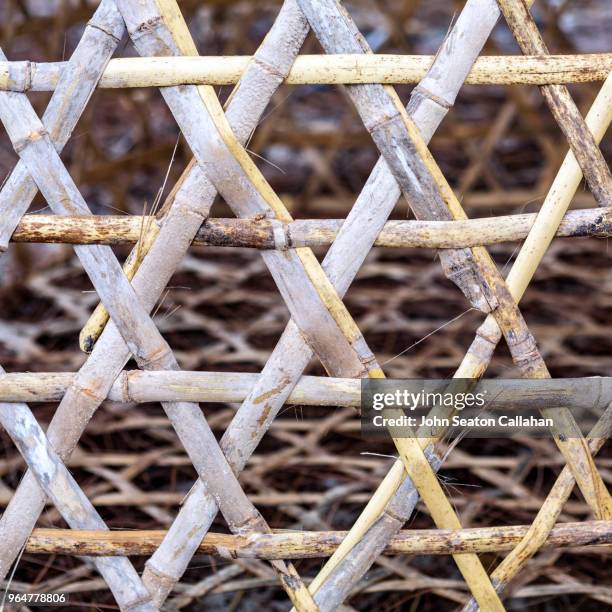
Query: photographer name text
(380, 420)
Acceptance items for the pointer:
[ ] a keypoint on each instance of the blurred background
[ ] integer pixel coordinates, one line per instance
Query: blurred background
(500, 149)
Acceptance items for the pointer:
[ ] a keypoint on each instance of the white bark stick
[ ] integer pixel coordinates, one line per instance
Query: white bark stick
(313, 544)
(138, 386)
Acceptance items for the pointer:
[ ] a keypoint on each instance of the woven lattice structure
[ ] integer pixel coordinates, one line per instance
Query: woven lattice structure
(320, 326)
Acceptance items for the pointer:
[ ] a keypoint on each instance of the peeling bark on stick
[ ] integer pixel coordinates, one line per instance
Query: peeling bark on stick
(271, 234)
(315, 544)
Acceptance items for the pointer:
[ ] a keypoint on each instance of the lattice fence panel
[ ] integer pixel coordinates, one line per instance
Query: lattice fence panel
(320, 325)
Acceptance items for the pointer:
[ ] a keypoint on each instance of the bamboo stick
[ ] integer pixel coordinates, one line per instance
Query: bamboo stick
(74, 506)
(555, 205)
(272, 234)
(581, 141)
(141, 386)
(312, 544)
(138, 386)
(341, 69)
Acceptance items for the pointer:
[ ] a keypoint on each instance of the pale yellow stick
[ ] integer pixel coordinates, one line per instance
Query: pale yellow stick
(321, 69)
(99, 317)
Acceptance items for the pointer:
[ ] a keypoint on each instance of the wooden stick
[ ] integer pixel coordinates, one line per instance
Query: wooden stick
(315, 69)
(272, 234)
(154, 386)
(312, 544)
(140, 386)
(581, 141)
